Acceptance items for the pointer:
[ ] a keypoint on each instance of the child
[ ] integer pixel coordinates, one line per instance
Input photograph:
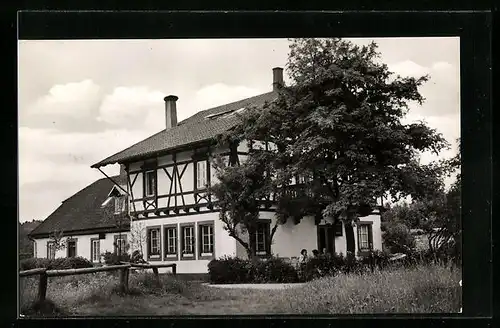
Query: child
(303, 256)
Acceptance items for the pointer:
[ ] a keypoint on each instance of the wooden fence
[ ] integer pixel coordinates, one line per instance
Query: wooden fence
(124, 269)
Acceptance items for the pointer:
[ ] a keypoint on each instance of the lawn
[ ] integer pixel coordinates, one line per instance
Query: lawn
(424, 289)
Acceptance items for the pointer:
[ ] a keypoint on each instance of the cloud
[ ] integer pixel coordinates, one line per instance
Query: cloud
(408, 68)
(129, 107)
(220, 94)
(438, 66)
(49, 155)
(76, 100)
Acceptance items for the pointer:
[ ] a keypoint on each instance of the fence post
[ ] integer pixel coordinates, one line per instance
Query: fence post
(42, 287)
(157, 276)
(174, 269)
(124, 280)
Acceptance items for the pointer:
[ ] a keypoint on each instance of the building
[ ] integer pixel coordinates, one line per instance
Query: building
(167, 178)
(91, 222)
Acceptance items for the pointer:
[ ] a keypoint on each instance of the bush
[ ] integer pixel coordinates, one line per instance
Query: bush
(229, 270)
(273, 270)
(115, 259)
(55, 264)
(398, 239)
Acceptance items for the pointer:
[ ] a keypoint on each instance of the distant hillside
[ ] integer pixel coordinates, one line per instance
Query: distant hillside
(25, 244)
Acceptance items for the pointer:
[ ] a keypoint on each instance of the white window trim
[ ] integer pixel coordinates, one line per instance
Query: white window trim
(210, 239)
(121, 240)
(201, 179)
(50, 246)
(185, 239)
(157, 244)
(147, 183)
(96, 256)
(119, 201)
(364, 231)
(171, 241)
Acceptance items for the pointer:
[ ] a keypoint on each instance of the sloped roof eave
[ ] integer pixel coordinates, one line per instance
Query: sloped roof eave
(126, 159)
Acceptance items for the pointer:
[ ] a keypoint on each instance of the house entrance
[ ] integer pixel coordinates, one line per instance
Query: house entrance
(326, 236)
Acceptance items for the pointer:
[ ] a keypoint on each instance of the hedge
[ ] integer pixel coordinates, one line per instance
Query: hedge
(55, 264)
(228, 270)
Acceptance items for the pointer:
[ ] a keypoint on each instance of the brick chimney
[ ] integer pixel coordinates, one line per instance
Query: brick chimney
(170, 111)
(277, 78)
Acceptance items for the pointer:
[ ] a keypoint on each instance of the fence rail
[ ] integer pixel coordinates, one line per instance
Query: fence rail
(124, 269)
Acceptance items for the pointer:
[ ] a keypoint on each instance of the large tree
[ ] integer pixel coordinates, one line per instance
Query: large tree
(340, 124)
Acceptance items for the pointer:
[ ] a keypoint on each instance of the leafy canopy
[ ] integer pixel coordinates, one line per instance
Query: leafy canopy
(340, 122)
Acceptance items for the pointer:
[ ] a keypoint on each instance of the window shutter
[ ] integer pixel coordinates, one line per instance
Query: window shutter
(252, 237)
(359, 236)
(149, 243)
(267, 236)
(370, 237)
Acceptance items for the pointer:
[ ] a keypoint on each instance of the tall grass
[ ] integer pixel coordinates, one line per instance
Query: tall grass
(423, 289)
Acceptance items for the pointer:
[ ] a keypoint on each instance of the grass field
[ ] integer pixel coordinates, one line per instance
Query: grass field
(424, 289)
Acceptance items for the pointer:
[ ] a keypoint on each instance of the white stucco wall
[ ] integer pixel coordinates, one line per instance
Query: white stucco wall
(224, 244)
(82, 245)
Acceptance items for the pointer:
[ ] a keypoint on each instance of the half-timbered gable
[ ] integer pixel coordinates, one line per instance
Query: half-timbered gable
(167, 180)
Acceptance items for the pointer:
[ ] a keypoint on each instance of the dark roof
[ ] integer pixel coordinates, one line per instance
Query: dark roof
(196, 128)
(83, 210)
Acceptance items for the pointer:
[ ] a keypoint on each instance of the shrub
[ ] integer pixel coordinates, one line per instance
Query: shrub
(398, 239)
(229, 270)
(114, 258)
(55, 264)
(273, 270)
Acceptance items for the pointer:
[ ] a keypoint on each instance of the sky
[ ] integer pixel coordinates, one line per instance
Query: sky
(80, 101)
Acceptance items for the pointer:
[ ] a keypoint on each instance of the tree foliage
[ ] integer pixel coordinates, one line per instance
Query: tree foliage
(340, 123)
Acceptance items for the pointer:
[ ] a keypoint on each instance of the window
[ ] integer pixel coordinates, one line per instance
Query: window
(171, 242)
(150, 183)
(365, 237)
(206, 233)
(201, 174)
(51, 250)
(95, 251)
(120, 244)
(71, 248)
(188, 241)
(261, 236)
(119, 204)
(154, 245)
(34, 249)
(326, 238)
(301, 179)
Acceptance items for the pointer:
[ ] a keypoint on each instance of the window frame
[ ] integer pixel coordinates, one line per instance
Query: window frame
(34, 249)
(155, 256)
(51, 244)
(205, 255)
(152, 172)
(166, 253)
(92, 251)
(71, 240)
(266, 223)
(115, 244)
(369, 227)
(190, 256)
(326, 232)
(119, 204)
(198, 176)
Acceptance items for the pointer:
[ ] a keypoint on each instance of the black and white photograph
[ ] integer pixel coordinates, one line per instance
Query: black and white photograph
(251, 176)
